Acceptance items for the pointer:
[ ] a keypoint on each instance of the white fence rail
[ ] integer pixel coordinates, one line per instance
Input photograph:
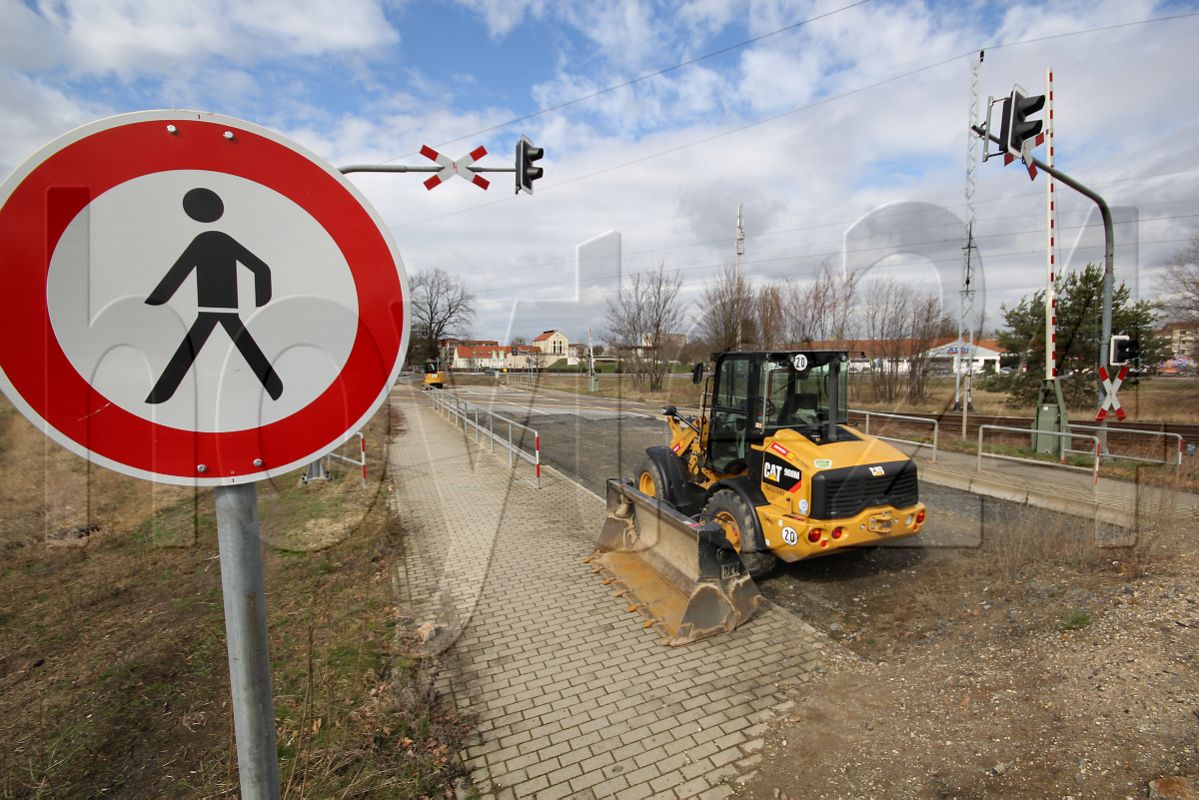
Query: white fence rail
(486, 423)
(1106, 452)
(1094, 469)
(936, 426)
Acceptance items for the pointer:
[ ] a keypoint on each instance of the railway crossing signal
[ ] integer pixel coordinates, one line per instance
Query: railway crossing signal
(526, 173)
(1016, 129)
(1123, 350)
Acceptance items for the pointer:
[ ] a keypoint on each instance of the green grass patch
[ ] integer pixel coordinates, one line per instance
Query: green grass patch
(1076, 620)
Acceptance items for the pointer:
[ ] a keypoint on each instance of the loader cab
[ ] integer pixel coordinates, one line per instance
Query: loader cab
(754, 395)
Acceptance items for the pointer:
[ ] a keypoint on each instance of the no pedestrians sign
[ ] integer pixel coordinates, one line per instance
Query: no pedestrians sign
(194, 299)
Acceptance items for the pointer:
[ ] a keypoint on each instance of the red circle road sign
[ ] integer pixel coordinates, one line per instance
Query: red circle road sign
(194, 299)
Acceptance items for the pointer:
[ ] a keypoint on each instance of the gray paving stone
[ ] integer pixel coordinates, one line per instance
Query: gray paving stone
(555, 671)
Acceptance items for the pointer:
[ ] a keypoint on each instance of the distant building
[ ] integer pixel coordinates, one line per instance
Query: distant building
(943, 356)
(553, 343)
(1182, 339)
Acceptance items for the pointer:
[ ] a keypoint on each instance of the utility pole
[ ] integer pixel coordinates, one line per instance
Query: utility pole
(966, 301)
(592, 380)
(966, 350)
(737, 270)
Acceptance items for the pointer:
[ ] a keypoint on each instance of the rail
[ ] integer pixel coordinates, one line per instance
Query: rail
(1106, 452)
(455, 408)
(526, 380)
(1094, 470)
(358, 462)
(919, 443)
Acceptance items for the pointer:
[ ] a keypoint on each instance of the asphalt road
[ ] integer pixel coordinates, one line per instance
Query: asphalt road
(594, 438)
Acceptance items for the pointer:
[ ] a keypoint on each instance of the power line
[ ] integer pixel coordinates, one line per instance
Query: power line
(642, 78)
(720, 264)
(808, 107)
(896, 215)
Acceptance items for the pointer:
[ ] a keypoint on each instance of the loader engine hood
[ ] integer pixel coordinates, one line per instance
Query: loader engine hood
(812, 458)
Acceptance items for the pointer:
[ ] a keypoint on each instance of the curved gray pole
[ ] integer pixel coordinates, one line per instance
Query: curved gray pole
(245, 634)
(1109, 246)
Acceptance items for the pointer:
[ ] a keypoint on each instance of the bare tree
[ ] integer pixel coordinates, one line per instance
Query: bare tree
(1182, 282)
(638, 320)
(441, 307)
(728, 308)
(823, 309)
(771, 317)
(901, 323)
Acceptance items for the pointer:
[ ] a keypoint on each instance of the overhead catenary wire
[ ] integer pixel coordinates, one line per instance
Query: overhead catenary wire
(642, 78)
(807, 107)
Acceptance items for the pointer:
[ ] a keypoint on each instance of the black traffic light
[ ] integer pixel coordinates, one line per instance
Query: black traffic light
(1016, 128)
(1123, 350)
(526, 173)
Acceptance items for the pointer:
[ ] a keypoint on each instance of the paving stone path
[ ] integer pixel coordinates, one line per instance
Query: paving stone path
(572, 696)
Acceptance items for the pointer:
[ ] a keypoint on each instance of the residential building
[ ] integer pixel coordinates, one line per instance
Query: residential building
(1182, 339)
(553, 343)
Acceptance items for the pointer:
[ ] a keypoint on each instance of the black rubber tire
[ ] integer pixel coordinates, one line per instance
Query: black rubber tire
(650, 467)
(757, 564)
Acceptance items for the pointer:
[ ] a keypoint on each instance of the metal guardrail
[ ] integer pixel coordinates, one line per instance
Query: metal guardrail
(1105, 452)
(358, 462)
(926, 420)
(1094, 470)
(456, 409)
(526, 380)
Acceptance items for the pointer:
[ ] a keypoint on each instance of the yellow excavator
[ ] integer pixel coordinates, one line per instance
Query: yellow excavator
(769, 470)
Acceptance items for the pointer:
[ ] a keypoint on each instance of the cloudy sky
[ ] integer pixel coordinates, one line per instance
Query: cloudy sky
(657, 120)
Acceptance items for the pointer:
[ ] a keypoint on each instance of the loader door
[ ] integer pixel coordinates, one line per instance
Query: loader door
(730, 413)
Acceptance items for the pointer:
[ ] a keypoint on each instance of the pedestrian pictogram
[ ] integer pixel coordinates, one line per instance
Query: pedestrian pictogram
(194, 299)
(214, 257)
(1110, 387)
(450, 168)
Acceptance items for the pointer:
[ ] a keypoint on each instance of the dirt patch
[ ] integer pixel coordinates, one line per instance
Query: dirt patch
(113, 671)
(1035, 665)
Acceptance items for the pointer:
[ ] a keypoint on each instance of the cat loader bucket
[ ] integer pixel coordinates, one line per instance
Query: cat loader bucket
(684, 576)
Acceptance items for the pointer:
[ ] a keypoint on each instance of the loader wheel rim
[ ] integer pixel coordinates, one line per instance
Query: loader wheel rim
(646, 484)
(731, 531)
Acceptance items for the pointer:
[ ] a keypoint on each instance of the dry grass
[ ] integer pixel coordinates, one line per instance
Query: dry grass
(113, 671)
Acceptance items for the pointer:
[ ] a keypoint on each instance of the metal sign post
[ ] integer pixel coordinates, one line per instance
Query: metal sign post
(246, 636)
(227, 410)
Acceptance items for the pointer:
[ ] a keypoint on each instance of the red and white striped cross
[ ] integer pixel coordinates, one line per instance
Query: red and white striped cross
(1110, 401)
(451, 168)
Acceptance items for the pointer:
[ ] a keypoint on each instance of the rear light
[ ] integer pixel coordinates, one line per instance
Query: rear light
(920, 517)
(814, 535)
(838, 532)
(908, 521)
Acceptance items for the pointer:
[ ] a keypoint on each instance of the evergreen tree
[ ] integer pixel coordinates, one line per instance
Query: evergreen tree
(1079, 325)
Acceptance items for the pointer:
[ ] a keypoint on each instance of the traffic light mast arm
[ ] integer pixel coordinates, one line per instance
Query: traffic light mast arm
(412, 168)
(1109, 242)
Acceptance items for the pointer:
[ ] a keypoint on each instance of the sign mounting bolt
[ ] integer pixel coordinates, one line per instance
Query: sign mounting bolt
(171, 129)
(229, 135)
(258, 462)
(201, 468)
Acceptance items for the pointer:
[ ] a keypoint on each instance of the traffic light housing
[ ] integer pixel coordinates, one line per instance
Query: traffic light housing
(1123, 350)
(526, 173)
(1016, 128)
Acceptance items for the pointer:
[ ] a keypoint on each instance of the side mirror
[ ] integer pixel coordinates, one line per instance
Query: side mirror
(697, 372)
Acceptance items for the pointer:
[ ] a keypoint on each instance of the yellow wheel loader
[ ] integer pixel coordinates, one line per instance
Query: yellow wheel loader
(434, 376)
(772, 461)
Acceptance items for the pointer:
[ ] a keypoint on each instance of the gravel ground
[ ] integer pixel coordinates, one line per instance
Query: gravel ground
(999, 654)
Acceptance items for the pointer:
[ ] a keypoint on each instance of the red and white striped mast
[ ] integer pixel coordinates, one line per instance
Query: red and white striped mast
(1051, 232)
